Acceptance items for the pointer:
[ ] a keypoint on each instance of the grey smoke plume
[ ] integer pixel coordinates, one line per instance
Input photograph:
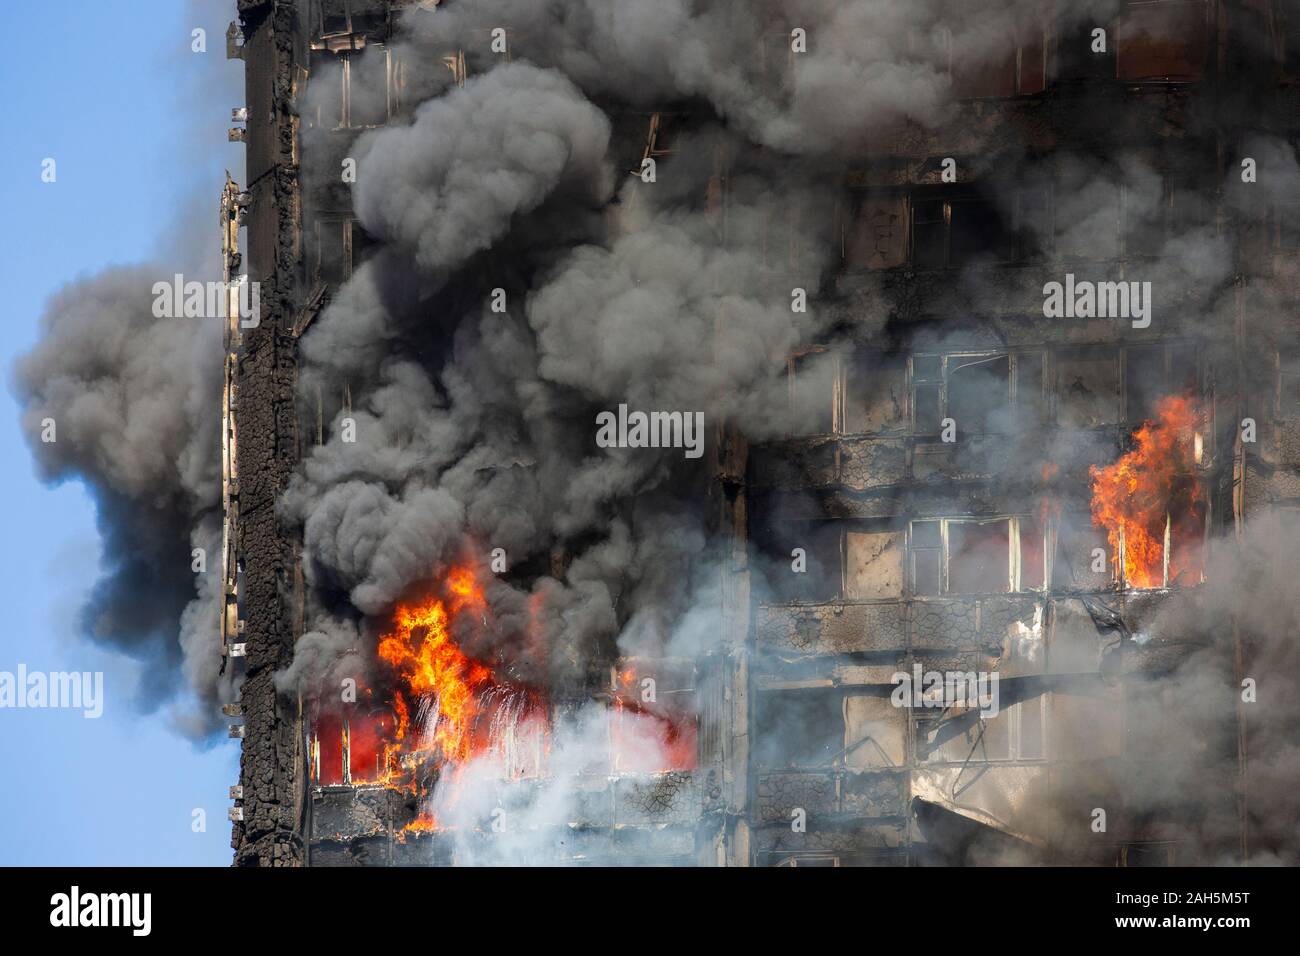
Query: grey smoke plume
(135, 404)
(136, 401)
(870, 63)
(447, 185)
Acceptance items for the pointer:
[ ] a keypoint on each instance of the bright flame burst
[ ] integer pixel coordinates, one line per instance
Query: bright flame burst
(420, 649)
(448, 709)
(1134, 497)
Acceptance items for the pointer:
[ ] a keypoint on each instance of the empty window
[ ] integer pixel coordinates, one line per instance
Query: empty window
(959, 230)
(1185, 565)
(333, 250)
(1087, 213)
(366, 87)
(980, 67)
(962, 734)
(1088, 382)
(799, 728)
(783, 246)
(813, 577)
(984, 64)
(1288, 219)
(1075, 58)
(979, 557)
(976, 555)
(1082, 559)
(1289, 30)
(927, 557)
(1033, 568)
(1031, 53)
(669, 714)
(977, 231)
(324, 99)
(1162, 40)
(979, 392)
(927, 393)
(875, 393)
(842, 559)
(1162, 212)
(1288, 384)
(1153, 372)
(973, 389)
(930, 234)
(332, 17)
(813, 379)
(852, 394)
(1033, 221)
(1087, 387)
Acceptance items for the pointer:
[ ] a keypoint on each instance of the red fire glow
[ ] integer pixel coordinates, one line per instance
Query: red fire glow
(1152, 485)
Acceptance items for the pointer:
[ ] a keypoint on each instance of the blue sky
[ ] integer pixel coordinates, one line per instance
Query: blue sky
(136, 122)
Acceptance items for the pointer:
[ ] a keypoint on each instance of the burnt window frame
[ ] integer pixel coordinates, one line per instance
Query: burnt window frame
(1116, 31)
(1020, 365)
(1287, 38)
(845, 361)
(1015, 552)
(343, 222)
(768, 701)
(1118, 571)
(1121, 355)
(1022, 41)
(836, 397)
(1016, 242)
(343, 57)
(1287, 369)
(842, 528)
(1172, 186)
(924, 718)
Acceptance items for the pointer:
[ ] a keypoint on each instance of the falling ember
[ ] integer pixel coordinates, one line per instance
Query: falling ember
(1151, 496)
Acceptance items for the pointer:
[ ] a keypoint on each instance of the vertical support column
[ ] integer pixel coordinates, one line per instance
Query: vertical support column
(273, 759)
(232, 344)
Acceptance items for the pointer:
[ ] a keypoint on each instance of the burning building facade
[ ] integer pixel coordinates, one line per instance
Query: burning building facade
(467, 633)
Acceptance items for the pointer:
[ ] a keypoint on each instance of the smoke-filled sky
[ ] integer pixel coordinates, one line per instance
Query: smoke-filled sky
(121, 789)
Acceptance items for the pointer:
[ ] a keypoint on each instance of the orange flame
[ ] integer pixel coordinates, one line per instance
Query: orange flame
(448, 708)
(420, 650)
(1147, 488)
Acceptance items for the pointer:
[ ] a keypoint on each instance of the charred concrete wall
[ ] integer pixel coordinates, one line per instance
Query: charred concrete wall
(270, 833)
